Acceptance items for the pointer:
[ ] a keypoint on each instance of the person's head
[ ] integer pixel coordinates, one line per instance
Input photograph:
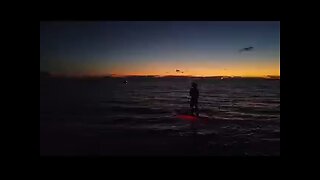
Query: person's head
(194, 85)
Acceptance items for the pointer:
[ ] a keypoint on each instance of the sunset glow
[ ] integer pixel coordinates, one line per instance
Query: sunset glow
(159, 48)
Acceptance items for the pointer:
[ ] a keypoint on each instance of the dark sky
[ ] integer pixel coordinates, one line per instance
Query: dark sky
(159, 48)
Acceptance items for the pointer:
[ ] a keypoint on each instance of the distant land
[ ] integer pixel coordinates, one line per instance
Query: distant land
(44, 74)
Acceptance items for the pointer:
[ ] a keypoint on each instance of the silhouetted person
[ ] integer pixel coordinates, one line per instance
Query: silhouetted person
(194, 93)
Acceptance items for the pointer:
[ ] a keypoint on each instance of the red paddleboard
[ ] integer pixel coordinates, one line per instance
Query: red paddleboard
(187, 117)
(192, 118)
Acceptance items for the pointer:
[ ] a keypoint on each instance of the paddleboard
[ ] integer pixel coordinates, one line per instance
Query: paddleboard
(188, 117)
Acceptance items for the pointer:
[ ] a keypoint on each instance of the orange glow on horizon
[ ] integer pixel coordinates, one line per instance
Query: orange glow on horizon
(195, 68)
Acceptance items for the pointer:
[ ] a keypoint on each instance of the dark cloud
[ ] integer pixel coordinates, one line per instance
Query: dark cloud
(179, 71)
(246, 49)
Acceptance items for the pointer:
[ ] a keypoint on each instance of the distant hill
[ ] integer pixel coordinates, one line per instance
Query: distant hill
(273, 77)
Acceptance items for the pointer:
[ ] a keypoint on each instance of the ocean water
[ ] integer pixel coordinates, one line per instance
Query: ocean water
(152, 104)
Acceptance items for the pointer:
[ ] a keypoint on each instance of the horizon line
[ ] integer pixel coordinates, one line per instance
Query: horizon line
(180, 76)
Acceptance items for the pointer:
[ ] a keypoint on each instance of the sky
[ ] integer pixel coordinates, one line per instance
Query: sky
(196, 48)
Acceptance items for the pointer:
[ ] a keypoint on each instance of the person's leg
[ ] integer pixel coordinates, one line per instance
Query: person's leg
(197, 110)
(196, 107)
(191, 106)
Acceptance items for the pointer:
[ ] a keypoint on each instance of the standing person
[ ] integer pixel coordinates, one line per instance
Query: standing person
(194, 93)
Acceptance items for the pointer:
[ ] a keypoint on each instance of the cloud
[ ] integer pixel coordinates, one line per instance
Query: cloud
(179, 71)
(246, 49)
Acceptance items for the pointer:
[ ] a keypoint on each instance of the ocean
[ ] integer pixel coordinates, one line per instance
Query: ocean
(106, 117)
